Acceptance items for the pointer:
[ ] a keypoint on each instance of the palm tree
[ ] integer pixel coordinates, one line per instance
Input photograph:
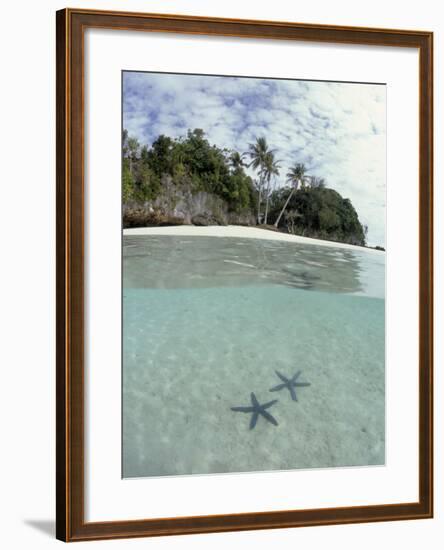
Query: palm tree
(271, 168)
(237, 160)
(257, 153)
(296, 176)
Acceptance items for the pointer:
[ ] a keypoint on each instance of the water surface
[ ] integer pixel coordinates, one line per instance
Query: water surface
(208, 320)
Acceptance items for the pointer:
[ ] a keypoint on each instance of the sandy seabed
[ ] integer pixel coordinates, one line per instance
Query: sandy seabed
(191, 353)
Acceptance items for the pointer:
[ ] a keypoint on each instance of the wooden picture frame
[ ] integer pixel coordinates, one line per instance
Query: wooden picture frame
(71, 24)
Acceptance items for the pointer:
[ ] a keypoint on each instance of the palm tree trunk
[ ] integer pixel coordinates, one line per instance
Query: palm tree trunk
(259, 203)
(266, 204)
(276, 223)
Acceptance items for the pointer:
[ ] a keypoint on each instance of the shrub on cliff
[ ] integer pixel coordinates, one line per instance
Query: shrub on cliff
(189, 161)
(318, 212)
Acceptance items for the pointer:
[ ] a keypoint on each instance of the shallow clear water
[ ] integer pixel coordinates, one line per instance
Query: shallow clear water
(208, 320)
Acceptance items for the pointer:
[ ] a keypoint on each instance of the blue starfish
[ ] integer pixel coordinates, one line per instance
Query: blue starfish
(290, 384)
(257, 409)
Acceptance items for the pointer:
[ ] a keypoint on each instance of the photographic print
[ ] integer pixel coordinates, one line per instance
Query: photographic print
(253, 299)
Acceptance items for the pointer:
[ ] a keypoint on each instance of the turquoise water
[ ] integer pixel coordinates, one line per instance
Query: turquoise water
(208, 320)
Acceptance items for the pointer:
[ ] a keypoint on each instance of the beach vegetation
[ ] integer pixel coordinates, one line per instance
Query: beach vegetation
(296, 177)
(317, 212)
(271, 170)
(189, 180)
(258, 153)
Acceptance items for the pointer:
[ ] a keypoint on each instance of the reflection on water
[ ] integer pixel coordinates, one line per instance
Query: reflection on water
(206, 262)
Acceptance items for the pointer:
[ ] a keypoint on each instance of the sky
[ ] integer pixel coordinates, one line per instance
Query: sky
(338, 130)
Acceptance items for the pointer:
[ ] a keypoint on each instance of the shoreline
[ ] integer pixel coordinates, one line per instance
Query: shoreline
(239, 231)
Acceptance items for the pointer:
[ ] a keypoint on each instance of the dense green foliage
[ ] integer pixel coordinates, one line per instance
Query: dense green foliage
(191, 165)
(191, 162)
(318, 212)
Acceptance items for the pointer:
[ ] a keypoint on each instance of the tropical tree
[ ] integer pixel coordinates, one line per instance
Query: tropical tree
(258, 152)
(291, 217)
(317, 182)
(125, 142)
(297, 176)
(236, 161)
(271, 169)
(133, 148)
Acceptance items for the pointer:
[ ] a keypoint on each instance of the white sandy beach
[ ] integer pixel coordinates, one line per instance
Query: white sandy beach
(240, 232)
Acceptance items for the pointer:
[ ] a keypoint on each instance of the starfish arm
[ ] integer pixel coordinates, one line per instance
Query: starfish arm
(254, 401)
(296, 376)
(302, 384)
(293, 393)
(253, 420)
(281, 376)
(278, 387)
(269, 404)
(268, 417)
(243, 409)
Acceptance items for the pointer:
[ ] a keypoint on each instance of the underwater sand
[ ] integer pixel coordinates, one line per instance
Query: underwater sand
(207, 321)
